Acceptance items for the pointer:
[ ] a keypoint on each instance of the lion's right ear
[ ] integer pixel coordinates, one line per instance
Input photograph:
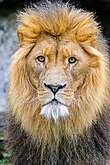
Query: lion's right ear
(20, 36)
(27, 35)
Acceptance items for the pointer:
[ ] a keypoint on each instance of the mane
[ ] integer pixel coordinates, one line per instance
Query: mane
(79, 26)
(57, 19)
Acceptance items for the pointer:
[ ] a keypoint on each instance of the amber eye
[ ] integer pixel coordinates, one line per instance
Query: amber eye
(72, 60)
(41, 58)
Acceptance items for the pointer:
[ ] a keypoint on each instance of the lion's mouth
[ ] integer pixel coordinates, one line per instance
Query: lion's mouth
(54, 109)
(54, 101)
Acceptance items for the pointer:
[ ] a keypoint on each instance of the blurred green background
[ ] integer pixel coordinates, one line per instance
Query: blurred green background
(9, 44)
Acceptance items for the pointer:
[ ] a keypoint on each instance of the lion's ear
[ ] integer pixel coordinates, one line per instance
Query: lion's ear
(27, 34)
(92, 51)
(20, 36)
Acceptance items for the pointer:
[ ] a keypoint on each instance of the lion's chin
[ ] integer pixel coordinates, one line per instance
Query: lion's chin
(54, 110)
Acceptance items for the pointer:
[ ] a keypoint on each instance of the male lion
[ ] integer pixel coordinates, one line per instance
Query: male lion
(59, 89)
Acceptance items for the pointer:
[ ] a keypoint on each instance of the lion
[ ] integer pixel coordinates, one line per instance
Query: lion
(59, 88)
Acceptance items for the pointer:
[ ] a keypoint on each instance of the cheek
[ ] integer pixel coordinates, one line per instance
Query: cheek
(38, 68)
(35, 66)
(74, 70)
(37, 72)
(77, 74)
(32, 78)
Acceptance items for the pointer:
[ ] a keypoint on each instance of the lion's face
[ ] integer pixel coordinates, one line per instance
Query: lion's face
(54, 70)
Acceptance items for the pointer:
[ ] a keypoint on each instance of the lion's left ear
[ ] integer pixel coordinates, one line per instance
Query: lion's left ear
(92, 51)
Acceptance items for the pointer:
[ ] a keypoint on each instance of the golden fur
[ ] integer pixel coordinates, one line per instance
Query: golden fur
(58, 29)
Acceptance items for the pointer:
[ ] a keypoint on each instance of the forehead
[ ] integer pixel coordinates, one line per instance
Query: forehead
(56, 47)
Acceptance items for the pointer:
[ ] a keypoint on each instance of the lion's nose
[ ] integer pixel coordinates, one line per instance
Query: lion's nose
(54, 88)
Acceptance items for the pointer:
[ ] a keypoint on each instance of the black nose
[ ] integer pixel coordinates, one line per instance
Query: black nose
(54, 88)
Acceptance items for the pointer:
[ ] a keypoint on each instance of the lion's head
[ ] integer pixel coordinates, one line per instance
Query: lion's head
(59, 76)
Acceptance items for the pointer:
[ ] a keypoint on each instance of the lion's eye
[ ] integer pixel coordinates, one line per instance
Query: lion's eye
(72, 60)
(41, 58)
